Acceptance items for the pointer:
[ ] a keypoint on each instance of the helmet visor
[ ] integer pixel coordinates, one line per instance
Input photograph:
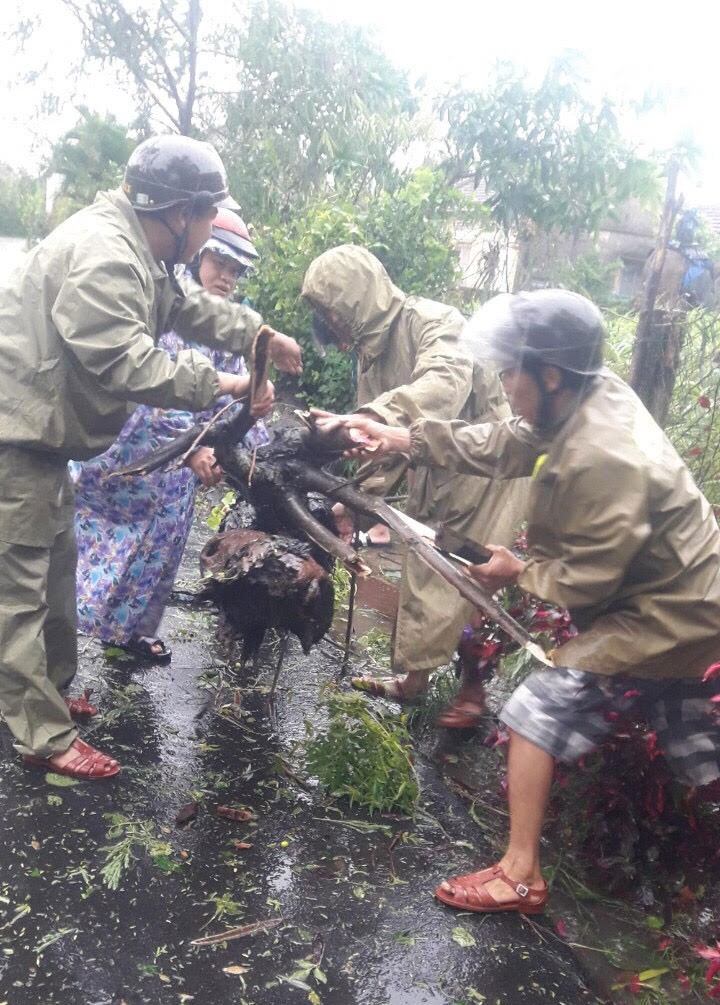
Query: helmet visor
(227, 251)
(322, 335)
(491, 335)
(228, 203)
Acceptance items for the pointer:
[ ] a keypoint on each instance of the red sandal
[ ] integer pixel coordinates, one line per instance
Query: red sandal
(89, 764)
(469, 893)
(463, 712)
(80, 708)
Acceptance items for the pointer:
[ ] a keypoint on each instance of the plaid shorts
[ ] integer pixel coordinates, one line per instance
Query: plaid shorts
(568, 712)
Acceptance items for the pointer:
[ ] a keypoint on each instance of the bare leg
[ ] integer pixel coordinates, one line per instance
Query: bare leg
(468, 706)
(530, 772)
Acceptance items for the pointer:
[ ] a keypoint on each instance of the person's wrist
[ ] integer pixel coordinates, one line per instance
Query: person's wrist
(400, 440)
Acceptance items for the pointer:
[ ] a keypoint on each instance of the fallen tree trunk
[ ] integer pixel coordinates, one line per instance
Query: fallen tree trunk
(287, 468)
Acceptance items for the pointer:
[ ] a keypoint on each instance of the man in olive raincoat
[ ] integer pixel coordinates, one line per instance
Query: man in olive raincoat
(410, 366)
(79, 319)
(618, 533)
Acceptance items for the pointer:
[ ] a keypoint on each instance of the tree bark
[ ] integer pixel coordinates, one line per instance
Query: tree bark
(186, 112)
(660, 329)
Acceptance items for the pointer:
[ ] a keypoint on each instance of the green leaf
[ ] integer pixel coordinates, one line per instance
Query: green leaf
(403, 939)
(648, 975)
(54, 800)
(652, 921)
(114, 653)
(463, 937)
(62, 781)
(166, 864)
(52, 937)
(297, 983)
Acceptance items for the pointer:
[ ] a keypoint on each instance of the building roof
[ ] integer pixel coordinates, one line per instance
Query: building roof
(467, 186)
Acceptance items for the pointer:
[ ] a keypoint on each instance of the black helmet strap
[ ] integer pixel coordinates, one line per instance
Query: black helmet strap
(180, 240)
(198, 202)
(532, 367)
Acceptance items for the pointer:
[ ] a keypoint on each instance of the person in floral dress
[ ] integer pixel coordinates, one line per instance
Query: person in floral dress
(131, 531)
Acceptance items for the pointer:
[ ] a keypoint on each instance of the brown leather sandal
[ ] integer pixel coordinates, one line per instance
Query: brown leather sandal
(469, 893)
(89, 764)
(390, 688)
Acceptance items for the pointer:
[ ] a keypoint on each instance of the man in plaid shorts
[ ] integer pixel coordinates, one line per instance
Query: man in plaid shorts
(618, 533)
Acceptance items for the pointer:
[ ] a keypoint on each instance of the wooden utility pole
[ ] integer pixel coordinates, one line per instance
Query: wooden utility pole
(661, 328)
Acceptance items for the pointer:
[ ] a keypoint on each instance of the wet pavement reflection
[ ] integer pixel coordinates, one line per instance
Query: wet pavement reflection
(358, 923)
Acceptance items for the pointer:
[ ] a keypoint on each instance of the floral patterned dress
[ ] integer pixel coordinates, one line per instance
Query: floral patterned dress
(131, 531)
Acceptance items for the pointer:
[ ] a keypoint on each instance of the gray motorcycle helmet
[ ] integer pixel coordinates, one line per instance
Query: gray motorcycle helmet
(544, 327)
(165, 171)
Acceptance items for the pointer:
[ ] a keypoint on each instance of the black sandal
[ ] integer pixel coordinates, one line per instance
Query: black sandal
(142, 646)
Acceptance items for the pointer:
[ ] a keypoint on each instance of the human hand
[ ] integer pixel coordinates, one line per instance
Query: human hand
(503, 568)
(231, 383)
(326, 422)
(203, 463)
(285, 353)
(371, 436)
(344, 522)
(264, 401)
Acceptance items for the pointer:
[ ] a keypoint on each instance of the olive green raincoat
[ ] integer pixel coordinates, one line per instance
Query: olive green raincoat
(411, 365)
(618, 532)
(78, 323)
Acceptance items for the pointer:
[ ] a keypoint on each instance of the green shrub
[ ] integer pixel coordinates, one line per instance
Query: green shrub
(363, 756)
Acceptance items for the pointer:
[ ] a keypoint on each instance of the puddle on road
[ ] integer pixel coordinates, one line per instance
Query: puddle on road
(359, 924)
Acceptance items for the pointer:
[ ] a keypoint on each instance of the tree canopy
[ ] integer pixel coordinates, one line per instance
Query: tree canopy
(550, 158)
(324, 143)
(315, 107)
(91, 156)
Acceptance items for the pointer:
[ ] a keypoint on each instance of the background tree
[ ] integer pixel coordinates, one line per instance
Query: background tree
(91, 157)
(314, 107)
(294, 103)
(154, 45)
(18, 190)
(551, 160)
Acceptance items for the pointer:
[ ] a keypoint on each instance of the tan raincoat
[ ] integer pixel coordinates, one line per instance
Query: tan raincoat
(618, 532)
(79, 319)
(411, 365)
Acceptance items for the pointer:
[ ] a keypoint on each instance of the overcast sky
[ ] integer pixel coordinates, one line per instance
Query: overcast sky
(631, 47)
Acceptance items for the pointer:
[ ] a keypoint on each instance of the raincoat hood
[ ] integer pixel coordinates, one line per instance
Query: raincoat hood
(352, 283)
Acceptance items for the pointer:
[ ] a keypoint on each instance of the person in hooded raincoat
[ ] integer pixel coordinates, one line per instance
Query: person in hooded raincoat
(619, 534)
(411, 365)
(79, 320)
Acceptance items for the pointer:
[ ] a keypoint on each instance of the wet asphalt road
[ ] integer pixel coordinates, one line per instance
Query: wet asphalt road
(358, 922)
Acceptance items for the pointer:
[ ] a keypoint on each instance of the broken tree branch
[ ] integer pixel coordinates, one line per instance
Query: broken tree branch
(321, 481)
(323, 537)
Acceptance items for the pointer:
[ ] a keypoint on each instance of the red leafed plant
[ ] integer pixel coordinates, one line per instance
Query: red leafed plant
(631, 822)
(481, 649)
(713, 955)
